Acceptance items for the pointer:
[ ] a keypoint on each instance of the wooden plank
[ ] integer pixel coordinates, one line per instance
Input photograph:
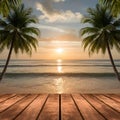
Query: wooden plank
(114, 97)
(13, 111)
(75, 107)
(118, 95)
(68, 108)
(32, 111)
(9, 102)
(1, 95)
(86, 109)
(103, 109)
(51, 108)
(6, 97)
(115, 105)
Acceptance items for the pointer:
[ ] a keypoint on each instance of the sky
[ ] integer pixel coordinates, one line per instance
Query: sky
(59, 23)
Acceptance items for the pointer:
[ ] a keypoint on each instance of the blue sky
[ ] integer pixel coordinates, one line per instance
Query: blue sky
(59, 23)
(59, 16)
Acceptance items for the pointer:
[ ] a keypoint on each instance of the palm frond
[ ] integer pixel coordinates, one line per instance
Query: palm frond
(6, 5)
(103, 29)
(89, 30)
(113, 5)
(17, 24)
(32, 30)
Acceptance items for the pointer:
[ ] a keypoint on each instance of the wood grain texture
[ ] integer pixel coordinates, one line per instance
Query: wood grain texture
(68, 108)
(86, 108)
(32, 111)
(11, 101)
(51, 108)
(13, 111)
(114, 97)
(5, 97)
(60, 107)
(113, 104)
(102, 108)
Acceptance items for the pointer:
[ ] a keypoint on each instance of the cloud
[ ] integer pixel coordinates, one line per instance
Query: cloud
(52, 28)
(64, 37)
(58, 0)
(50, 14)
(67, 37)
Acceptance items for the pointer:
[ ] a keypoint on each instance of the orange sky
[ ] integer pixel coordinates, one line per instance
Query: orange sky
(57, 31)
(48, 50)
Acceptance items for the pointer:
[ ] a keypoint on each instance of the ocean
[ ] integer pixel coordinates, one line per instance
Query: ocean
(60, 76)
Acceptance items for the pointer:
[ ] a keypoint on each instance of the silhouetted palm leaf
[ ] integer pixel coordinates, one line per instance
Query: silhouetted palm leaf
(103, 33)
(5, 6)
(114, 5)
(16, 32)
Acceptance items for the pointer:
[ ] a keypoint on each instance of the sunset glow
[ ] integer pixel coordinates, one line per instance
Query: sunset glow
(59, 50)
(59, 60)
(59, 66)
(59, 25)
(52, 51)
(59, 69)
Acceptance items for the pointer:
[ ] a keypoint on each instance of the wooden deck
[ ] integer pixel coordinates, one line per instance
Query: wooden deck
(60, 107)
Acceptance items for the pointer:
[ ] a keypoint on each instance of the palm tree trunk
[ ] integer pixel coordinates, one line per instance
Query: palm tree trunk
(7, 61)
(112, 62)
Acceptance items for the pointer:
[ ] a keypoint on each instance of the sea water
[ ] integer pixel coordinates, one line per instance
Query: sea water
(60, 76)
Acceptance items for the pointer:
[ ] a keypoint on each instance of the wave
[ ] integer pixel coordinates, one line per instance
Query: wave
(60, 74)
(59, 65)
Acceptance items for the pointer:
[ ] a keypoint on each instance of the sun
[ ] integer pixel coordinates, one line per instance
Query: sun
(59, 50)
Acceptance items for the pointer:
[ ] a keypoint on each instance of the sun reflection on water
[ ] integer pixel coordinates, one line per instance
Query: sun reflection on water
(59, 66)
(59, 81)
(59, 69)
(59, 85)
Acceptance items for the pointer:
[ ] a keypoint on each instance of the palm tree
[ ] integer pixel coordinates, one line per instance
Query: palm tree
(5, 6)
(17, 34)
(103, 33)
(114, 5)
